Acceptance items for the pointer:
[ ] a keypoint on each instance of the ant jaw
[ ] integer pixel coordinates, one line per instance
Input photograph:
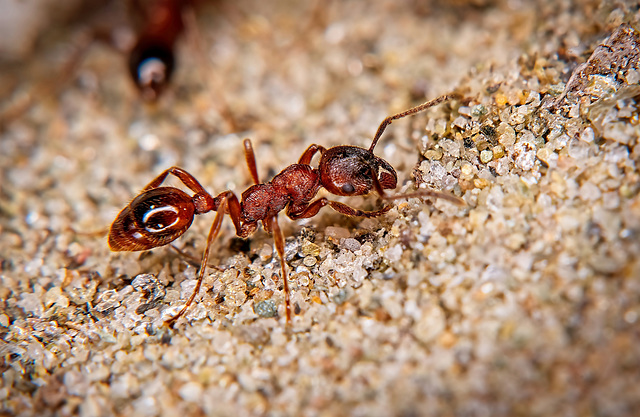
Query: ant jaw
(388, 181)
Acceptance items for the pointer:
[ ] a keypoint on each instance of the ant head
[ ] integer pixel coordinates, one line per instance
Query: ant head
(154, 218)
(151, 66)
(350, 170)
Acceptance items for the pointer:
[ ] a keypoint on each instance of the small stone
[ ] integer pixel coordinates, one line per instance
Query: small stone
(340, 297)
(498, 151)
(191, 392)
(633, 76)
(506, 134)
(587, 135)
(450, 147)
(466, 170)
(479, 110)
(501, 100)
(430, 325)
(578, 149)
(336, 233)
(526, 155)
(589, 191)
(351, 244)
(433, 154)
(486, 156)
(229, 275)
(107, 301)
(235, 293)
(310, 249)
(544, 155)
(480, 183)
(460, 122)
(31, 303)
(394, 253)
(309, 261)
(266, 308)
(150, 286)
(55, 296)
(265, 252)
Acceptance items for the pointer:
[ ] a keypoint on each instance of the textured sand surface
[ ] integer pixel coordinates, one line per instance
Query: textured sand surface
(524, 302)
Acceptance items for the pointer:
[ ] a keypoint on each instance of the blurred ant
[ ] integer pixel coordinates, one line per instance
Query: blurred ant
(159, 215)
(157, 23)
(151, 60)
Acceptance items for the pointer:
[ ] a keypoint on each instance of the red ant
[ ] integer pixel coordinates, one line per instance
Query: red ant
(151, 60)
(159, 215)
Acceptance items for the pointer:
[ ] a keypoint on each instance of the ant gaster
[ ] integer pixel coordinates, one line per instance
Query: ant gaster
(151, 61)
(159, 215)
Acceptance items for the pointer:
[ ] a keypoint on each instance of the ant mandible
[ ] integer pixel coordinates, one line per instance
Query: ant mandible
(159, 215)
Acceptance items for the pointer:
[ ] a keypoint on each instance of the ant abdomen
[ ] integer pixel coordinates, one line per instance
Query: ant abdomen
(349, 170)
(151, 65)
(154, 218)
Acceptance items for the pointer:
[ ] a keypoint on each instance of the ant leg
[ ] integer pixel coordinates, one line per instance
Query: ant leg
(350, 211)
(419, 193)
(424, 106)
(213, 233)
(307, 211)
(313, 208)
(278, 238)
(307, 155)
(251, 160)
(187, 179)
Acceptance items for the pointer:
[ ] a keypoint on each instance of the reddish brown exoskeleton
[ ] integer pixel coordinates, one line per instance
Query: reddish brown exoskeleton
(159, 215)
(152, 60)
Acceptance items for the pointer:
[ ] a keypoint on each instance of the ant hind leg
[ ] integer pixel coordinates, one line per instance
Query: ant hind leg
(278, 238)
(187, 179)
(213, 233)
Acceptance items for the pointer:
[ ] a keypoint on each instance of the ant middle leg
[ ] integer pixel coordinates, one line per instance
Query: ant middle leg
(278, 238)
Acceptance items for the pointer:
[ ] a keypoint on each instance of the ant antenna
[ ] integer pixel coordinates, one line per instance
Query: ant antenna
(386, 122)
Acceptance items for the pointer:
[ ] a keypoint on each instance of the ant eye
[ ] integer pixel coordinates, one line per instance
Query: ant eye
(348, 188)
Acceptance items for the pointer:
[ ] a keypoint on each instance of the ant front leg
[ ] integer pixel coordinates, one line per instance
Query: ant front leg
(313, 208)
(278, 238)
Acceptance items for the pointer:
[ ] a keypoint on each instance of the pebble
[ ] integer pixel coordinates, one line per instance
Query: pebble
(486, 156)
(266, 308)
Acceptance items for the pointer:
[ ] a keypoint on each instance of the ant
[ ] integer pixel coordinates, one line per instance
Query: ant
(151, 60)
(159, 215)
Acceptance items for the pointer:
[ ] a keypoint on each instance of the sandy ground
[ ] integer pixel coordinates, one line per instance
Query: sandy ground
(525, 301)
